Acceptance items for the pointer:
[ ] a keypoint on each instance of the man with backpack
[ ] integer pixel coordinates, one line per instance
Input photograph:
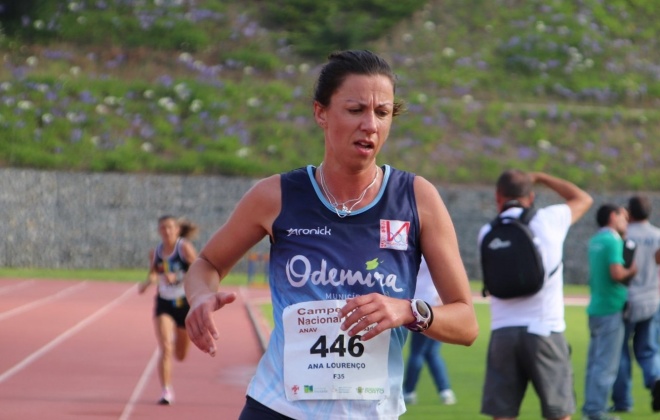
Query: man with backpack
(527, 340)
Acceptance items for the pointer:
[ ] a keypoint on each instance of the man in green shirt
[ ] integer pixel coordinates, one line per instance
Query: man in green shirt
(607, 275)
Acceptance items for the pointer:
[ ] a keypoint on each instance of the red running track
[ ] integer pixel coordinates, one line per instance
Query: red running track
(83, 349)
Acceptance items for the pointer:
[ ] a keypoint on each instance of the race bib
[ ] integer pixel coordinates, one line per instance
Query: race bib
(321, 362)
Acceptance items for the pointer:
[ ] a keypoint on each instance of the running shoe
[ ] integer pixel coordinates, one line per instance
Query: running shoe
(167, 397)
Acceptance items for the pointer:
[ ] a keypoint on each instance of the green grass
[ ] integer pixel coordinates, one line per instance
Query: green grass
(128, 275)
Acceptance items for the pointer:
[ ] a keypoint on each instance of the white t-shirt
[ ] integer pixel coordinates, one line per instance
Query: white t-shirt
(542, 312)
(425, 289)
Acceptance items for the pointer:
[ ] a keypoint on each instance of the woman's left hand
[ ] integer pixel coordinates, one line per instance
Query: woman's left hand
(383, 311)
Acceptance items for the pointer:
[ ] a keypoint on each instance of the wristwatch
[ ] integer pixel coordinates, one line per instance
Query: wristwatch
(423, 315)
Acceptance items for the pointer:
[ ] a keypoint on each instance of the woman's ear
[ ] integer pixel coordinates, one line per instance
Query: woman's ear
(320, 114)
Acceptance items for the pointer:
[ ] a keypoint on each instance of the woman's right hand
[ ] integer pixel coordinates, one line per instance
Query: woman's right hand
(199, 321)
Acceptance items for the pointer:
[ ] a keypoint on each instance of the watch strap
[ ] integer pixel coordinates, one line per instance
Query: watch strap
(420, 324)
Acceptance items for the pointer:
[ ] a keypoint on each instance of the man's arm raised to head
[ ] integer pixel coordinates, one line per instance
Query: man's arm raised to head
(576, 198)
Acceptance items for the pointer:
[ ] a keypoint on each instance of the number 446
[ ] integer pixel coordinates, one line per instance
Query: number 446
(355, 348)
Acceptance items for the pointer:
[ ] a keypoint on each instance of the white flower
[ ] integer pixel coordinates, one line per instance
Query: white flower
(248, 70)
(111, 100)
(101, 109)
(243, 152)
(72, 116)
(167, 103)
(75, 70)
(25, 105)
(544, 144)
(182, 91)
(148, 94)
(600, 168)
(253, 102)
(39, 24)
(164, 101)
(47, 118)
(540, 26)
(95, 140)
(32, 61)
(303, 68)
(448, 52)
(185, 57)
(467, 98)
(81, 20)
(422, 98)
(196, 105)
(5, 86)
(74, 6)
(407, 37)
(429, 26)
(530, 123)
(147, 147)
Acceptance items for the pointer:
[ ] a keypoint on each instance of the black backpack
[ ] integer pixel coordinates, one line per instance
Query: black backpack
(510, 261)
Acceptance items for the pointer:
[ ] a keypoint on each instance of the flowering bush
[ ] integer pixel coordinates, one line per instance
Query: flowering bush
(193, 86)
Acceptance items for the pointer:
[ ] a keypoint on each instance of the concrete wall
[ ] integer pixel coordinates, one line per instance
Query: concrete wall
(80, 220)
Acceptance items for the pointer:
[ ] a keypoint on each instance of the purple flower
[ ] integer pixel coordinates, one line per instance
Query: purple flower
(525, 153)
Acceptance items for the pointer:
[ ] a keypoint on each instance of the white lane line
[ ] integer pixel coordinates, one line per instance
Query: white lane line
(258, 323)
(66, 334)
(39, 302)
(139, 387)
(12, 287)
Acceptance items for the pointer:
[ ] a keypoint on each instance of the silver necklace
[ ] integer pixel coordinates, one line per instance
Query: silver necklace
(343, 207)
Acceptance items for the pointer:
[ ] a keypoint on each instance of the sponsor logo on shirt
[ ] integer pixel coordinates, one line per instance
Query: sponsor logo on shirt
(394, 234)
(324, 231)
(299, 271)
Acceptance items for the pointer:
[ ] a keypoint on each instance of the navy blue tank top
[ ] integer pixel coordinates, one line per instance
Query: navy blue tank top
(317, 255)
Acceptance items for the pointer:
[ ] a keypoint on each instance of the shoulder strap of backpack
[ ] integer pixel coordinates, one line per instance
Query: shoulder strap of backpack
(527, 214)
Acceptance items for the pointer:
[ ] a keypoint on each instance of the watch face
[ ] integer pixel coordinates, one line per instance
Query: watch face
(422, 309)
